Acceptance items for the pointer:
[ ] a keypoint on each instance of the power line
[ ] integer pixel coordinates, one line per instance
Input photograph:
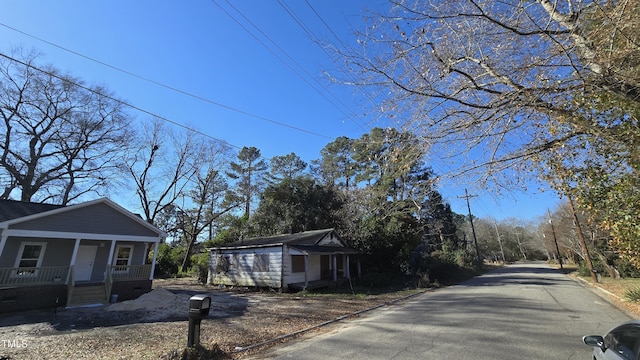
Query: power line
(314, 39)
(198, 97)
(121, 102)
(348, 116)
(325, 24)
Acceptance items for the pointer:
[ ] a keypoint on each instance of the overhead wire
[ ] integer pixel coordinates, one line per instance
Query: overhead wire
(119, 101)
(283, 51)
(317, 41)
(198, 97)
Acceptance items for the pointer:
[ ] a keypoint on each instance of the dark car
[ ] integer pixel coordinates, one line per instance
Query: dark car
(621, 342)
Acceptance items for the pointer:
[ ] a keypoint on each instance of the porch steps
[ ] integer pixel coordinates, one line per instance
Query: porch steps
(87, 295)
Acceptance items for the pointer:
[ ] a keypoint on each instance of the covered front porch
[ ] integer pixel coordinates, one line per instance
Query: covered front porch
(323, 266)
(77, 271)
(122, 280)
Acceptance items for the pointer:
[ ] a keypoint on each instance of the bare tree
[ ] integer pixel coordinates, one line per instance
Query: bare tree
(208, 198)
(162, 167)
(497, 83)
(60, 136)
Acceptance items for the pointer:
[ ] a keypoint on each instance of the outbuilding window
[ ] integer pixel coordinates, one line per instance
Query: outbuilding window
(297, 263)
(261, 262)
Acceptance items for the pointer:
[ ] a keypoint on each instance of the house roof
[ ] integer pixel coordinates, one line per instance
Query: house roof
(325, 249)
(12, 209)
(307, 241)
(302, 238)
(16, 212)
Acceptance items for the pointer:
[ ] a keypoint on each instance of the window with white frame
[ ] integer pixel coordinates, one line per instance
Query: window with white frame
(122, 258)
(29, 258)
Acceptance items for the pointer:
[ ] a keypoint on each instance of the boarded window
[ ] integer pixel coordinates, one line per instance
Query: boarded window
(260, 262)
(222, 263)
(297, 263)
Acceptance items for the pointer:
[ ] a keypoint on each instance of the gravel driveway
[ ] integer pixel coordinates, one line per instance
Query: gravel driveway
(155, 326)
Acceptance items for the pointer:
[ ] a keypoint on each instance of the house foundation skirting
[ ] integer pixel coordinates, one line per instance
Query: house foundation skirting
(132, 289)
(20, 298)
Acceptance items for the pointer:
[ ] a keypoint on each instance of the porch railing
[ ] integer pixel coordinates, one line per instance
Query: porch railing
(19, 276)
(108, 284)
(33, 275)
(130, 272)
(71, 285)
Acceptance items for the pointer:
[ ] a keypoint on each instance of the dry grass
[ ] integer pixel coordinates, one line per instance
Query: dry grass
(253, 317)
(616, 289)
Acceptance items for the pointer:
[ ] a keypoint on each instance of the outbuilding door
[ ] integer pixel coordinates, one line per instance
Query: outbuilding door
(325, 268)
(84, 262)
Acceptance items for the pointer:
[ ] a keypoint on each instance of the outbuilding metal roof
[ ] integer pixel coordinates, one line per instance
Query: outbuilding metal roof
(307, 241)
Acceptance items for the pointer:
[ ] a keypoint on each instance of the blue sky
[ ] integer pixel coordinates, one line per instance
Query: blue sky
(248, 72)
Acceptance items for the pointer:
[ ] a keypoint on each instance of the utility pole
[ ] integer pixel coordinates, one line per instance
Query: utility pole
(504, 259)
(522, 252)
(553, 230)
(583, 244)
(473, 230)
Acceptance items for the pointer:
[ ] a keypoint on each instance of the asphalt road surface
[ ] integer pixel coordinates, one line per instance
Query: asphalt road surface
(522, 311)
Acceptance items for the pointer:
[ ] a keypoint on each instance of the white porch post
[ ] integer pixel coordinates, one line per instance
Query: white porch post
(112, 249)
(347, 271)
(3, 241)
(306, 270)
(74, 255)
(153, 262)
(334, 260)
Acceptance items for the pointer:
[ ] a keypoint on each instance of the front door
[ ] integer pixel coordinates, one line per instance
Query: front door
(84, 262)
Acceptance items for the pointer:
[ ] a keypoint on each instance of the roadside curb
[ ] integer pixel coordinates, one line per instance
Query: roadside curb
(606, 295)
(329, 322)
(583, 281)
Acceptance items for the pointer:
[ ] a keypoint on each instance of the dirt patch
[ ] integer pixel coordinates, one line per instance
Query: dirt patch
(155, 325)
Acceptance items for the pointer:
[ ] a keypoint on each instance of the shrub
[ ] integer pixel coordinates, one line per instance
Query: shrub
(627, 269)
(376, 279)
(200, 266)
(633, 294)
(168, 260)
(583, 269)
(442, 268)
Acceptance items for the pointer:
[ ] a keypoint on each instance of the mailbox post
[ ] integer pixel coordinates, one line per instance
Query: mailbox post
(199, 306)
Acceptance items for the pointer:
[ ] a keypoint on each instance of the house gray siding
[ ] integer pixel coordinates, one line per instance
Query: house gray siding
(57, 252)
(97, 218)
(9, 253)
(241, 267)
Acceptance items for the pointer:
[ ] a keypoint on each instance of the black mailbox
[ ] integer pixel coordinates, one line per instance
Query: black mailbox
(199, 306)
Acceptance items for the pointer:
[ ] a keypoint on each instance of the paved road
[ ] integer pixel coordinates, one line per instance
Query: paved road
(523, 311)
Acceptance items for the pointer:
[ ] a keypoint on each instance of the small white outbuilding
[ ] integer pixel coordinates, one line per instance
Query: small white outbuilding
(305, 260)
